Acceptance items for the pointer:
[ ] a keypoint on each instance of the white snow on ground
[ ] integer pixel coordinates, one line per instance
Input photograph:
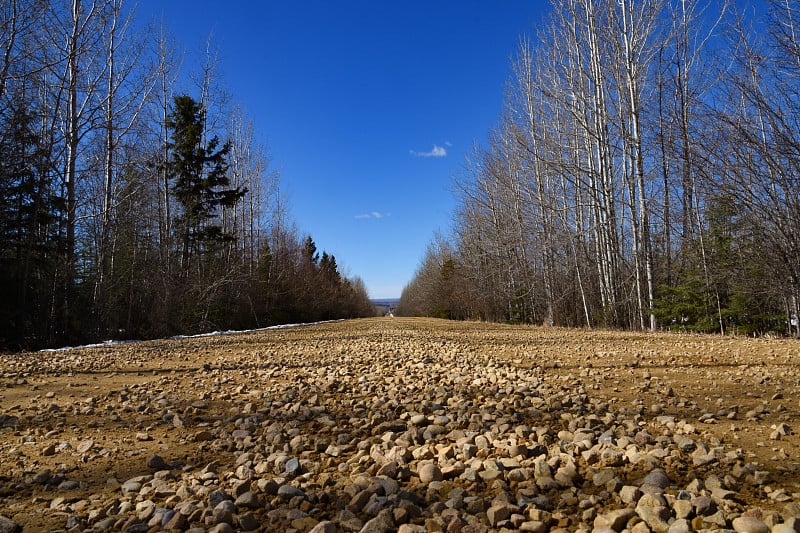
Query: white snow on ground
(177, 337)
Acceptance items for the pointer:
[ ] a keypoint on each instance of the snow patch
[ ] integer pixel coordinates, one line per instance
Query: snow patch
(108, 343)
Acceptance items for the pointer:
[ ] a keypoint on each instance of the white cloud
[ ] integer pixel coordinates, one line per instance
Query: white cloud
(372, 214)
(437, 151)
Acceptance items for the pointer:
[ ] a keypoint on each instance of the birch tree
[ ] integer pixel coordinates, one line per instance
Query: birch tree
(129, 85)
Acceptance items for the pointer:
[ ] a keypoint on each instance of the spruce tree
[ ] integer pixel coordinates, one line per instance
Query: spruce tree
(199, 179)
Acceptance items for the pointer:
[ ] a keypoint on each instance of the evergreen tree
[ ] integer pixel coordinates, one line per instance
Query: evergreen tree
(310, 251)
(199, 179)
(29, 244)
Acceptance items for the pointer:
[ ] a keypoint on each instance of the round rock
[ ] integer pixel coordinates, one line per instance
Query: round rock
(429, 473)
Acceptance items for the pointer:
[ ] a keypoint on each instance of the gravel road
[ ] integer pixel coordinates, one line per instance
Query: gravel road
(405, 425)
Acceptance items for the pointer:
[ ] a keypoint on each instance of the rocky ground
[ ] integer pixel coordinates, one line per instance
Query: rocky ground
(404, 425)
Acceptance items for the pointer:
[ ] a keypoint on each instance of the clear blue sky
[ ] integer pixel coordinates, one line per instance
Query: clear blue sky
(366, 107)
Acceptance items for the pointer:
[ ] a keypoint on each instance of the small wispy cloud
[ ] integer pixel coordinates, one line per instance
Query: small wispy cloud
(437, 151)
(372, 214)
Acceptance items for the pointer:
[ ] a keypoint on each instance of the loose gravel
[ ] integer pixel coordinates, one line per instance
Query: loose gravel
(404, 425)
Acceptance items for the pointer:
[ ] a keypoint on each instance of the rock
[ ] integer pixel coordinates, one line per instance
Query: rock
(293, 467)
(630, 494)
(429, 473)
(383, 523)
(84, 446)
(288, 492)
(69, 484)
(657, 478)
(612, 457)
(654, 512)
(325, 527)
(156, 462)
(222, 528)
(178, 521)
(131, 488)
(704, 505)
(9, 526)
(615, 519)
(746, 524)
(248, 522)
(49, 450)
(500, 512)
(717, 519)
(217, 496)
(248, 500)
(402, 432)
(43, 476)
(532, 526)
(682, 509)
(223, 512)
(407, 528)
(680, 525)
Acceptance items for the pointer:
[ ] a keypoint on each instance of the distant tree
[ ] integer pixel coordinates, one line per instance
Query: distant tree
(310, 251)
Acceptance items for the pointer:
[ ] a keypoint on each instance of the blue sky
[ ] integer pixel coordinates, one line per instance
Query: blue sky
(366, 108)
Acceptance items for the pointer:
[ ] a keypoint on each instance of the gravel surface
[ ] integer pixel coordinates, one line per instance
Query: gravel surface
(404, 425)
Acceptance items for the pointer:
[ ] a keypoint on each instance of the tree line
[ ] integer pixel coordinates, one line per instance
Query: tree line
(134, 207)
(643, 174)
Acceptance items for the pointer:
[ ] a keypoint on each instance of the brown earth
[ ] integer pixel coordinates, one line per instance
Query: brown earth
(95, 415)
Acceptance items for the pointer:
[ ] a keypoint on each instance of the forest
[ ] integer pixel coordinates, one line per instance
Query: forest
(134, 205)
(644, 174)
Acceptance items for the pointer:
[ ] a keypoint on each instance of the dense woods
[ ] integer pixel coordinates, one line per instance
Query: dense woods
(643, 175)
(132, 204)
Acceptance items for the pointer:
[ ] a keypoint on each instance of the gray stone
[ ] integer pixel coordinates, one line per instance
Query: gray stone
(288, 492)
(223, 512)
(248, 500)
(657, 478)
(217, 496)
(69, 484)
(131, 488)
(156, 462)
(704, 506)
(43, 476)
(9, 526)
(293, 467)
